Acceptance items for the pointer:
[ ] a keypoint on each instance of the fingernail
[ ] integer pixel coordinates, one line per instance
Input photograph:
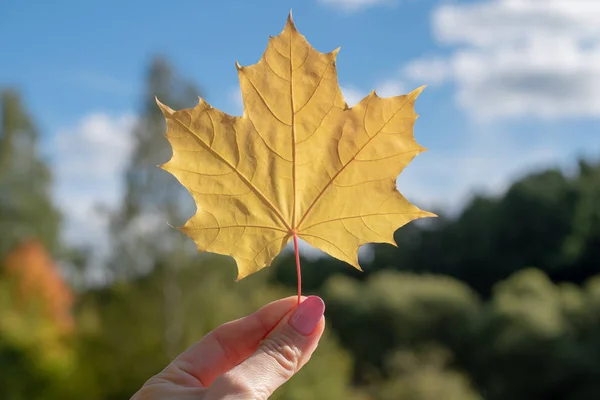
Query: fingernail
(307, 316)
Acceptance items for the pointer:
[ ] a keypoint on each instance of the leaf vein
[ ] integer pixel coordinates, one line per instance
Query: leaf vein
(360, 216)
(243, 178)
(329, 184)
(261, 97)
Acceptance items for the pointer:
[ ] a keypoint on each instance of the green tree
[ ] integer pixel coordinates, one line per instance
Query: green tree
(26, 208)
(142, 239)
(152, 197)
(581, 248)
(395, 310)
(547, 219)
(537, 340)
(424, 373)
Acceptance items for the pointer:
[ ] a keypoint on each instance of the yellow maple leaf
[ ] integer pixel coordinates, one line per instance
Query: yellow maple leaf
(298, 164)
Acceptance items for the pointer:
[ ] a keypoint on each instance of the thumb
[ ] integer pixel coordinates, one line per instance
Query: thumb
(279, 356)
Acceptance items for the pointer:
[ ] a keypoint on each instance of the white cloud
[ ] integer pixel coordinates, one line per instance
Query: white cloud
(354, 5)
(432, 71)
(517, 58)
(88, 161)
(352, 95)
(495, 22)
(389, 88)
(236, 101)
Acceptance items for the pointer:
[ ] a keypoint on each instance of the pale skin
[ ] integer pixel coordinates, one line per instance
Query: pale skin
(245, 359)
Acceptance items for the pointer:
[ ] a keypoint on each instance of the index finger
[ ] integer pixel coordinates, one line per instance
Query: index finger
(230, 344)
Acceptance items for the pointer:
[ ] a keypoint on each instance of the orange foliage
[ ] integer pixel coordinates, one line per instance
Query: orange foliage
(38, 282)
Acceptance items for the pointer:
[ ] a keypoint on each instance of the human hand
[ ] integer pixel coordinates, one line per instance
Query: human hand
(244, 359)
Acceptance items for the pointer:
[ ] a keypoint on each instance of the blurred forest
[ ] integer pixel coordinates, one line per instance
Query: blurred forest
(501, 302)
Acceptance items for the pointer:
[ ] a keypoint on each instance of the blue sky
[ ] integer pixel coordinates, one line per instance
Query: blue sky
(513, 85)
(73, 57)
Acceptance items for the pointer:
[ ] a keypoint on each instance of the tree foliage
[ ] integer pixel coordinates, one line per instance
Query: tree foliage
(35, 326)
(26, 207)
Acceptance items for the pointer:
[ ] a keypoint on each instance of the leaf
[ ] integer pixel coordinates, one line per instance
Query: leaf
(298, 162)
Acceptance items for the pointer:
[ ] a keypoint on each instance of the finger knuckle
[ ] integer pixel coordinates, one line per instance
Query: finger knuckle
(241, 388)
(150, 391)
(259, 393)
(284, 352)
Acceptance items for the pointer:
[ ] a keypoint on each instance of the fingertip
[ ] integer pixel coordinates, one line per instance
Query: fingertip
(308, 315)
(281, 354)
